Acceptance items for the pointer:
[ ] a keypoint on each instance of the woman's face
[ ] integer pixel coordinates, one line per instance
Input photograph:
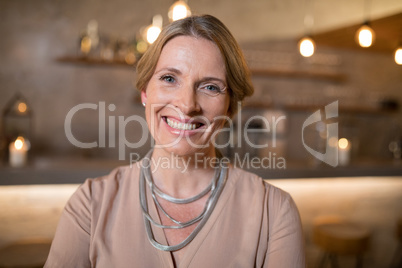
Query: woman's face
(186, 97)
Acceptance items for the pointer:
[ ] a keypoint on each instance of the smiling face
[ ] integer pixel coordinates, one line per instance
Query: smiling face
(186, 96)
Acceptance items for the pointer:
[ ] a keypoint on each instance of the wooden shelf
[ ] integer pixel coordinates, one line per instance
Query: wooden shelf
(343, 109)
(346, 109)
(91, 61)
(334, 77)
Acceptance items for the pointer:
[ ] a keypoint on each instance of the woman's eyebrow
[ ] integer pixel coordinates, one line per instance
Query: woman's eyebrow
(169, 69)
(211, 78)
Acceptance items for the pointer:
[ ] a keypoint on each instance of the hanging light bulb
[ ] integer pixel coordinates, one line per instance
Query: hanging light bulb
(152, 31)
(365, 35)
(179, 10)
(398, 55)
(306, 44)
(306, 47)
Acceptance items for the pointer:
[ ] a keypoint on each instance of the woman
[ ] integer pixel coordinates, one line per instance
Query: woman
(183, 205)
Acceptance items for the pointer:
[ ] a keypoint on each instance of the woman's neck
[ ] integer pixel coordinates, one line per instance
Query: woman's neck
(182, 176)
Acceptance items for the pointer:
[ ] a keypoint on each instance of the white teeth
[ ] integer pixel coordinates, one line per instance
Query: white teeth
(181, 126)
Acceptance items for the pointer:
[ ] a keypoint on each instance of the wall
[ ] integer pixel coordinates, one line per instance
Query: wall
(361, 82)
(36, 33)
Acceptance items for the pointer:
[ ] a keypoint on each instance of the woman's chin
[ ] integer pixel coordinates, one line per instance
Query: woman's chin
(184, 149)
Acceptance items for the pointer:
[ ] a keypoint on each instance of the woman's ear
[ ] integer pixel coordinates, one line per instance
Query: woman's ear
(143, 97)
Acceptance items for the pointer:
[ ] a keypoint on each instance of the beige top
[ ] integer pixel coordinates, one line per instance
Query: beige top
(254, 224)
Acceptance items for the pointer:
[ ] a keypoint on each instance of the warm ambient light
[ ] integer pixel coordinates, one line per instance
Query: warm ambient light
(365, 36)
(179, 10)
(306, 47)
(142, 46)
(130, 58)
(19, 143)
(343, 143)
(398, 56)
(86, 44)
(18, 152)
(153, 31)
(22, 107)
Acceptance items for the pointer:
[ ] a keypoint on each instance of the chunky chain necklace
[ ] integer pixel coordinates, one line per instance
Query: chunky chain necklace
(215, 187)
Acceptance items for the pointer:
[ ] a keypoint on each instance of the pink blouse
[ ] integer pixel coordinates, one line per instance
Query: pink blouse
(253, 224)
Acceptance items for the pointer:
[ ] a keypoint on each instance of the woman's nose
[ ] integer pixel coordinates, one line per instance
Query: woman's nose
(186, 100)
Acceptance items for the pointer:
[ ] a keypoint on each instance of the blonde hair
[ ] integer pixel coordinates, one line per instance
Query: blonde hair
(212, 29)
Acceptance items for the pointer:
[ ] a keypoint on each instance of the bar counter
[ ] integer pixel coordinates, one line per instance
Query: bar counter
(33, 211)
(76, 170)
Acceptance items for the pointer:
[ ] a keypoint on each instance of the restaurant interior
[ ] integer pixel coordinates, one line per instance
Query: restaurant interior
(327, 77)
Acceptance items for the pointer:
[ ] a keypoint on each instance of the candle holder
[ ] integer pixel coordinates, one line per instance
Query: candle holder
(344, 151)
(18, 152)
(16, 122)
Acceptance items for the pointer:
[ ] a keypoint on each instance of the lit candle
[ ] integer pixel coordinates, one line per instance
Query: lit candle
(344, 147)
(18, 152)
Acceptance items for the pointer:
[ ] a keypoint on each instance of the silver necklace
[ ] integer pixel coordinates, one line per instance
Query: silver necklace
(148, 177)
(215, 188)
(172, 199)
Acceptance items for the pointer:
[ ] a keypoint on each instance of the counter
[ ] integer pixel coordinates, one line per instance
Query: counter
(76, 170)
(33, 210)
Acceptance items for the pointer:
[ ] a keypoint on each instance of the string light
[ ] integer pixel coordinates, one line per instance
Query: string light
(306, 47)
(365, 35)
(307, 44)
(153, 31)
(398, 55)
(179, 10)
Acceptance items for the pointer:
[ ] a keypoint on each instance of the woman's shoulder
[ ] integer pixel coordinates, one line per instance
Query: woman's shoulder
(246, 179)
(251, 186)
(118, 178)
(96, 193)
(119, 174)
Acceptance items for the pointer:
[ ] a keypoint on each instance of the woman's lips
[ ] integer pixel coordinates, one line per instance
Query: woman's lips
(180, 125)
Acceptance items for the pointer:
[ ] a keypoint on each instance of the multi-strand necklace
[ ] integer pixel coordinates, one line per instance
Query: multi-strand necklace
(214, 188)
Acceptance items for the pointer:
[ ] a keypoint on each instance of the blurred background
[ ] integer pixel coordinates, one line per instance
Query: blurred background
(59, 55)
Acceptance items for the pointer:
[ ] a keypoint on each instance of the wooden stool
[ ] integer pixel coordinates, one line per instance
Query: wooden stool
(336, 236)
(25, 254)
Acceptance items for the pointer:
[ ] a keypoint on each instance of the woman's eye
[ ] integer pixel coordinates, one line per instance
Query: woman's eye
(168, 78)
(212, 88)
